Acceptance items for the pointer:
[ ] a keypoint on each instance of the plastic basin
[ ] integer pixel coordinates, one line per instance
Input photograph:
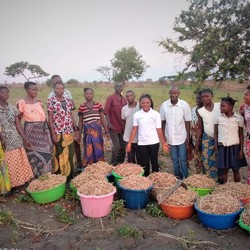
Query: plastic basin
(48, 195)
(178, 212)
(118, 177)
(134, 199)
(218, 221)
(96, 206)
(244, 226)
(202, 191)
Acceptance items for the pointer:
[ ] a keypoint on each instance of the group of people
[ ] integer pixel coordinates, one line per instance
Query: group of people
(32, 145)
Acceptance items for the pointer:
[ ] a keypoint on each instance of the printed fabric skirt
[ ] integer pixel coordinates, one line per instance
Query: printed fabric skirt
(4, 174)
(92, 143)
(208, 156)
(64, 155)
(40, 152)
(19, 167)
(228, 158)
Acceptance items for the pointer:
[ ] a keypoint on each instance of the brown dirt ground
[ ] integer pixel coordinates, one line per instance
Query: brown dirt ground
(37, 227)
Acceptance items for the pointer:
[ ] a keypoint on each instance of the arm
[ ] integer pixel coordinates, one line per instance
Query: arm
(162, 140)
(107, 112)
(187, 125)
(80, 127)
(163, 125)
(241, 136)
(216, 139)
(53, 134)
(20, 131)
(199, 132)
(104, 124)
(132, 136)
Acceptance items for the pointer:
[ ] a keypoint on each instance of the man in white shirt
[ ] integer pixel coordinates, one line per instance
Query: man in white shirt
(127, 114)
(176, 116)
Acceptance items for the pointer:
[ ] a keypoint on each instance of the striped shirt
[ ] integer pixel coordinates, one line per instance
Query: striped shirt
(90, 114)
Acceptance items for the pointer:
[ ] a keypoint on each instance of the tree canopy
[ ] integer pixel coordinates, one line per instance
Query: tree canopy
(128, 64)
(28, 71)
(214, 38)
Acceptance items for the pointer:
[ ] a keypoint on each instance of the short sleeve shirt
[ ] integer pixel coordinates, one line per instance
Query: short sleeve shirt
(61, 113)
(175, 117)
(228, 129)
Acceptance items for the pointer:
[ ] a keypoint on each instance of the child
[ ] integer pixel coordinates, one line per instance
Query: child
(62, 125)
(228, 135)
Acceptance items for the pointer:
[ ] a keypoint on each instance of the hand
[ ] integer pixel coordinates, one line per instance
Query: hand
(3, 142)
(128, 148)
(165, 147)
(107, 135)
(54, 139)
(240, 156)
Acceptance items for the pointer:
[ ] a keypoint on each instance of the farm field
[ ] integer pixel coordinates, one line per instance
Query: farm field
(27, 225)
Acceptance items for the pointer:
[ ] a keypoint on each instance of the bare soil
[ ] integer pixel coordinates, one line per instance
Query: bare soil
(36, 226)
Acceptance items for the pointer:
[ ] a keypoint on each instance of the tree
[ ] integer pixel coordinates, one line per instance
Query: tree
(107, 72)
(128, 64)
(214, 36)
(24, 68)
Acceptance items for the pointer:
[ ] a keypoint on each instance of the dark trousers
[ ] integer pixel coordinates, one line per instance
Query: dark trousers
(134, 154)
(149, 153)
(118, 149)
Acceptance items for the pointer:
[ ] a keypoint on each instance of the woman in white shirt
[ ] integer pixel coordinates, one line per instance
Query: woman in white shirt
(147, 122)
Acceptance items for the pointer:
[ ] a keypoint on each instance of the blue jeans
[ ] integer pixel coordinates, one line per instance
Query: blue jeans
(179, 159)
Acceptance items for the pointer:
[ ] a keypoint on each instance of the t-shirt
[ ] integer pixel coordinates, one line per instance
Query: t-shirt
(90, 114)
(147, 123)
(127, 115)
(209, 118)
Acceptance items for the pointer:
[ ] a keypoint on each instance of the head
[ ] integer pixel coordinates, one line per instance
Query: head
(88, 94)
(55, 79)
(130, 96)
(198, 101)
(4, 93)
(118, 87)
(59, 89)
(146, 102)
(227, 104)
(174, 93)
(247, 95)
(31, 89)
(206, 96)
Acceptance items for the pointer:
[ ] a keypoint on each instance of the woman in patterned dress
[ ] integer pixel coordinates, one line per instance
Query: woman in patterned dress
(91, 120)
(62, 125)
(12, 134)
(36, 130)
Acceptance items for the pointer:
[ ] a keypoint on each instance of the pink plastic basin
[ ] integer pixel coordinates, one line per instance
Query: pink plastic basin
(96, 206)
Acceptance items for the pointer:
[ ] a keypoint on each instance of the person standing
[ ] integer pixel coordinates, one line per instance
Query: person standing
(36, 130)
(245, 112)
(147, 122)
(207, 115)
(62, 125)
(67, 94)
(127, 116)
(194, 130)
(12, 139)
(91, 121)
(229, 140)
(112, 110)
(176, 117)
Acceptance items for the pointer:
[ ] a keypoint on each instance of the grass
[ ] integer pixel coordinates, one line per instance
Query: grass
(159, 93)
(118, 210)
(128, 231)
(63, 214)
(154, 210)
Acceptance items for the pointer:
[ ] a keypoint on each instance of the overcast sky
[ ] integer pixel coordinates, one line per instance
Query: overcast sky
(73, 37)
